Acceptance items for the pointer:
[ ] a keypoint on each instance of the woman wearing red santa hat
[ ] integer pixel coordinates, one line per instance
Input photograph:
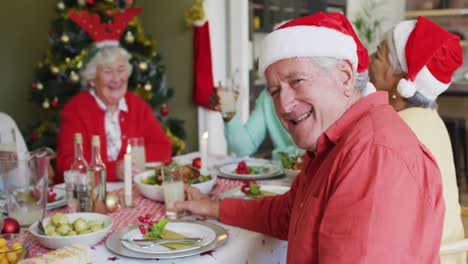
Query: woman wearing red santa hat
(368, 190)
(414, 63)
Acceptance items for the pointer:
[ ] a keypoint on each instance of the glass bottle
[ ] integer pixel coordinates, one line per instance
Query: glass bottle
(97, 177)
(79, 163)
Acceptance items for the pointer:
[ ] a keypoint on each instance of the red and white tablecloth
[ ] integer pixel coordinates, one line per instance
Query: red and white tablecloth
(243, 246)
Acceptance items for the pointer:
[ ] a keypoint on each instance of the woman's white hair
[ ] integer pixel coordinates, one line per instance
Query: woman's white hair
(103, 56)
(329, 63)
(417, 100)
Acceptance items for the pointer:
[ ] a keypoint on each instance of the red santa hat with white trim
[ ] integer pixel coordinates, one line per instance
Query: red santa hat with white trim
(317, 35)
(429, 54)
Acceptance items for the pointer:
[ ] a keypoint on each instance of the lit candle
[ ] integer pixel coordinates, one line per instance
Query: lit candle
(204, 153)
(128, 177)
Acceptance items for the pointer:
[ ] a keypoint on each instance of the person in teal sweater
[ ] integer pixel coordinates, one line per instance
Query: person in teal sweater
(244, 139)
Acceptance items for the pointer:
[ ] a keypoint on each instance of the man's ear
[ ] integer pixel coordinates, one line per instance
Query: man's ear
(346, 76)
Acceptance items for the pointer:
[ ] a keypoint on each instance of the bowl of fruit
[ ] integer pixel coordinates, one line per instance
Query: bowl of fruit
(149, 182)
(14, 247)
(62, 230)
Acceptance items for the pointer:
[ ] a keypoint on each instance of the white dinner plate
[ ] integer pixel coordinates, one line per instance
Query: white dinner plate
(237, 193)
(114, 244)
(206, 233)
(60, 200)
(267, 168)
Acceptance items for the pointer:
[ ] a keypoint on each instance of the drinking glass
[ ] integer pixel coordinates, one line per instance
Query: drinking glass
(25, 178)
(173, 187)
(137, 151)
(228, 97)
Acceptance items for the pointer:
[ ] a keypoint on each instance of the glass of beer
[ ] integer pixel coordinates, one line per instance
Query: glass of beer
(173, 187)
(137, 151)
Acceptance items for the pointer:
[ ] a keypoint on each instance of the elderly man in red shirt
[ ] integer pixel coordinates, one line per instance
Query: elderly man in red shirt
(369, 191)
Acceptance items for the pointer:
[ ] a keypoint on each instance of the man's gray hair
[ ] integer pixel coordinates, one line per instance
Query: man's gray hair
(103, 56)
(329, 64)
(417, 100)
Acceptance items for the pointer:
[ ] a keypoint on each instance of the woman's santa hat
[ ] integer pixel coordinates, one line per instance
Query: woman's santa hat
(317, 35)
(429, 54)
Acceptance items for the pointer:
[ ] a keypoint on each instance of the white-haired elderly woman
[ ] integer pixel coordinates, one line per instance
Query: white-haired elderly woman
(107, 109)
(414, 68)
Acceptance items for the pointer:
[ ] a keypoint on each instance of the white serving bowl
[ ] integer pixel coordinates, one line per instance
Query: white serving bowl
(155, 192)
(54, 242)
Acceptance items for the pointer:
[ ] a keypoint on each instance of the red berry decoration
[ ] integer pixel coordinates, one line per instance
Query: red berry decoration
(164, 110)
(141, 219)
(196, 162)
(10, 226)
(242, 168)
(54, 103)
(148, 217)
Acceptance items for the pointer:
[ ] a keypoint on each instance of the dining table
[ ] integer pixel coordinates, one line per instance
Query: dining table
(242, 245)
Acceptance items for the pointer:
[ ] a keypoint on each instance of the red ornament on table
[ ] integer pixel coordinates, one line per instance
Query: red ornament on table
(196, 162)
(10, 226)
(164, 110)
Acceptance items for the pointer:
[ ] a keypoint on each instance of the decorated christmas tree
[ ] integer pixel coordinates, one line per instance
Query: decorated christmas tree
(57, 73)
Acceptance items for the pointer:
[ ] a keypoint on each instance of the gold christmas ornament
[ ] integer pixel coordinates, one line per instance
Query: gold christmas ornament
(79, 64)
(148, 87)
(143, 66)
(54, 69)
(67, 59)
(112, 202)
(74, 77)
(129, 38)
(64, 38)
(46, 104)
(82, 2)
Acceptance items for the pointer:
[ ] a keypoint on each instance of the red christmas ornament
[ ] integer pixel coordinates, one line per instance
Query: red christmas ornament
(164, 110)
(35, 136)
(10, 225)
(34, 84)
(54, 103)
(196, 162)
(130, 2)
(90, 2)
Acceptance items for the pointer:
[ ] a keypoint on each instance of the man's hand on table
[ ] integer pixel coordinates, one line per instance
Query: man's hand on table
(197, 203)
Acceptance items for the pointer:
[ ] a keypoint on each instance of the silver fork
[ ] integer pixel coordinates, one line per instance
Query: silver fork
(149, 243)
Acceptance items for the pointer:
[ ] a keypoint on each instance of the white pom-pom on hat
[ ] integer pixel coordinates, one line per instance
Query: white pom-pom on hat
(406, 88)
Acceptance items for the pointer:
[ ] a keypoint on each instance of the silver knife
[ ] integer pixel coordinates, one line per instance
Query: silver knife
(163, 240)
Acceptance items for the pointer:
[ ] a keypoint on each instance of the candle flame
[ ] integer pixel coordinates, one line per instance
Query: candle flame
(129, 148)
(205, 135)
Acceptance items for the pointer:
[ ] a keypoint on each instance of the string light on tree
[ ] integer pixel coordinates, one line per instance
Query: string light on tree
(148, 86)
(129, 38)
(74, 77)
(61, 6)
(143, 66)
(46, 104)
(54, 69)
(65, 38)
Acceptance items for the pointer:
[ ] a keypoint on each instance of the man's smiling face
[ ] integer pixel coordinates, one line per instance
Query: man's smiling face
(307, 98)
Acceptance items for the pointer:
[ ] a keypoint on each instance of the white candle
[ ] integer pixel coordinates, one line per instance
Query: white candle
(204, 153)
(128, 177)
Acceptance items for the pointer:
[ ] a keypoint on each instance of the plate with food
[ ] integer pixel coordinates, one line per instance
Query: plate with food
(55, 198)
(168, 237)
(250, 168)
(251, 190)
(149, 182)
(118, 242)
